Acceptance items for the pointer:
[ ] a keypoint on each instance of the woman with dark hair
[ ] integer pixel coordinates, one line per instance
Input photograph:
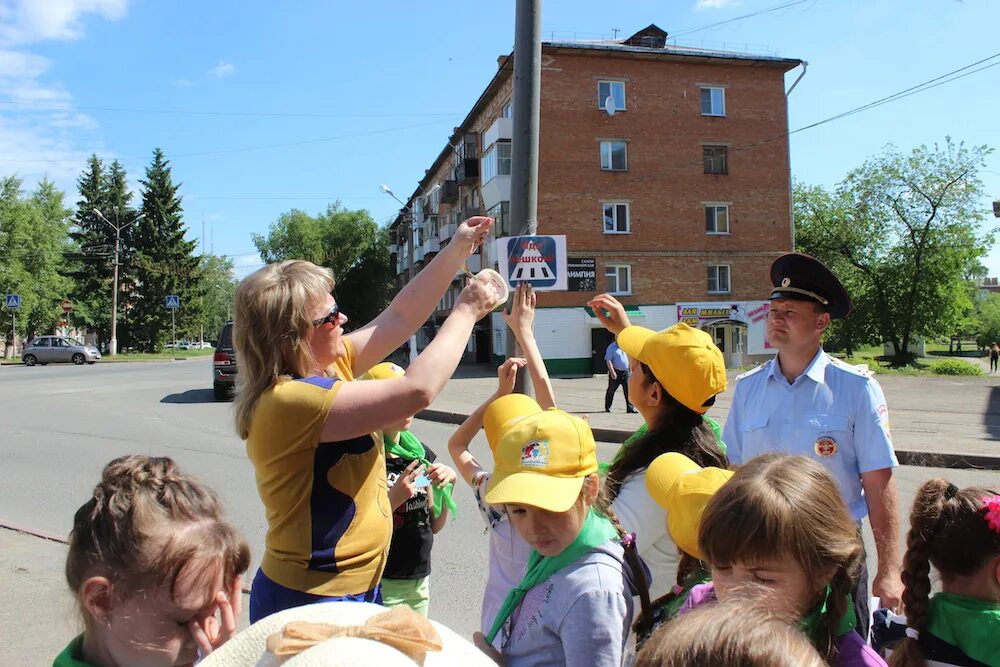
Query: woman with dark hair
(675, 376)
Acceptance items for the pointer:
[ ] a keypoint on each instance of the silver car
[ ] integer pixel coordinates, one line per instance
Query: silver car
(49, 349)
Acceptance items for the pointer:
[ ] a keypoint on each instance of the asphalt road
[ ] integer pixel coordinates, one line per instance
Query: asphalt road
(60, 424)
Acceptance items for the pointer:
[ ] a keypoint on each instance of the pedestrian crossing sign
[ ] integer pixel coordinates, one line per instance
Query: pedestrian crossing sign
(13, 301)
(173, 301)
(539, 261)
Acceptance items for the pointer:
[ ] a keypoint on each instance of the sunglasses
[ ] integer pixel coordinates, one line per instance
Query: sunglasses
(329, 319)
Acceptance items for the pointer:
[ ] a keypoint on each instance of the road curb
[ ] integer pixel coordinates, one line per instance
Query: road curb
(906, 457)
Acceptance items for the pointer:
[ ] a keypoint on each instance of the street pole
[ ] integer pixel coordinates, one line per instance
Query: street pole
(524, 144)
(173, 328)
(408, 223)
(113, 343)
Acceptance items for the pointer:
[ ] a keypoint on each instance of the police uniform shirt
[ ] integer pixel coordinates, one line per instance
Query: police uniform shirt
(834, 413)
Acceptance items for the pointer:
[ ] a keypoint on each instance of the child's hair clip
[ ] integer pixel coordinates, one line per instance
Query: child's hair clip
(991, 506)
(628, 540)
(950, 492)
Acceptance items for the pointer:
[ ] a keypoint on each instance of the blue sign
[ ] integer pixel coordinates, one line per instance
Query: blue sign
(532, 259)
(173, 301)
(13, 301)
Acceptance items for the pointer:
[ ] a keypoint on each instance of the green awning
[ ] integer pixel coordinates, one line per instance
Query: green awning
(631, 311)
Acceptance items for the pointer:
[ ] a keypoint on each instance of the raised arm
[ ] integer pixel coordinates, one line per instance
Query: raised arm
(610, 312)
(521, 321)
(364, 407)
(416, 301)
(458, 445)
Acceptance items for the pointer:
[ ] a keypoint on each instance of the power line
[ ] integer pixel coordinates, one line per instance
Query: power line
(766, 10)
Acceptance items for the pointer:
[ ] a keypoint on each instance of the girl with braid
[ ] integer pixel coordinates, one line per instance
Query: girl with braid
(155, 569)
(958, 532)
(779, 533)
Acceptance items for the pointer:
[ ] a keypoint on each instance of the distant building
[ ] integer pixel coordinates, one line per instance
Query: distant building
(677, 203)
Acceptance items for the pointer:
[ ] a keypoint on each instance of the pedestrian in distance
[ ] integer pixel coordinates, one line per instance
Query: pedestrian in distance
(676, 375)
(803, 401)
(779, 533)
(308, 428)
(994, 356)
(420, 494)
(958, 532)
(618, 374)
(155, 568)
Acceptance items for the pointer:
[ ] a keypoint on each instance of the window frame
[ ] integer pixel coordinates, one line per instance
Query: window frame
(715, 206)
(706, 158)
(729, 279)
(611, 83)
(722, 99)
(610, 143)
(628, 274)
(604, 217)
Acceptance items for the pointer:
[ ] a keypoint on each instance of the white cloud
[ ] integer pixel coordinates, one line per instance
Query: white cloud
(715, 4)
(182, 83)
(223, 69)
(26, 21)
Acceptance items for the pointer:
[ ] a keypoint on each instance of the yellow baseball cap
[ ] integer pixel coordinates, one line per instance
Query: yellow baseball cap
(542, 456)
(685, 361)
(683, 489)
(384, 371)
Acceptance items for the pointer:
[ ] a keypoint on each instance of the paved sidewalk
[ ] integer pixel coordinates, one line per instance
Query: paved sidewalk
(951, 422)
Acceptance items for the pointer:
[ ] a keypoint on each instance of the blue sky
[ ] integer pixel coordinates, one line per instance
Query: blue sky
(263, 107)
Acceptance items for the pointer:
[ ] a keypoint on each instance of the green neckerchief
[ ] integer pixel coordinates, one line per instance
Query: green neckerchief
(596, 530)
(809, 624)
(68, 657)
(643, 430)
(971, 624)
(411, 449)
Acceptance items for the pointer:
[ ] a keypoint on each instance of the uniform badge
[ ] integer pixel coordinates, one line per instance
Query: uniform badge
(785, 282)
(825, 447)
(535, 454)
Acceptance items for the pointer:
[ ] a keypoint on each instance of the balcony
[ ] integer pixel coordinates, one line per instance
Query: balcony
(449, 192)
(430, 246)
(446, 231)
(471, 211)
(502, 129)
(466, 170)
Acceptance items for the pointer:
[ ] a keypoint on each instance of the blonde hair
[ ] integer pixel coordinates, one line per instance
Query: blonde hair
(274, 310)
(778, 507)
(145, 524)
(728, 634)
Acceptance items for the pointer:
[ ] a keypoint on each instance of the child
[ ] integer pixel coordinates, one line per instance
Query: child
(420, 508)
(151, 561)
(729, 634)
(508, 552)
(675, 376)
(574, 604)
(682, 489)
(780, 533)
(958, 532)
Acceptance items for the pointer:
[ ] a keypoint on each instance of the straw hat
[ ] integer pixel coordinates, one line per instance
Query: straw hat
(249, 648)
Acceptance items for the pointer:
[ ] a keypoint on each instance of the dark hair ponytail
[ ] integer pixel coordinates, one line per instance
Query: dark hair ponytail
(678, 429)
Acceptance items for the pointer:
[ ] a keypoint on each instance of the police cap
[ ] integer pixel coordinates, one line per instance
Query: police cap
(799, 276)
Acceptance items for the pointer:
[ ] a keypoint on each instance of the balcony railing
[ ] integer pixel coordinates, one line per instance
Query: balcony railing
(449, 192)
(446, 231)
(467, 170)
(431, 245)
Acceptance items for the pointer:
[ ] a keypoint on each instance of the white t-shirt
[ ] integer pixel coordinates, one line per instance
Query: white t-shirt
(508, 556)
(638, 512)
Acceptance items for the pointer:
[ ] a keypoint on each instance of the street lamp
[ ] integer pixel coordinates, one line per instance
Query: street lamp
(229, 302)
(118, 227)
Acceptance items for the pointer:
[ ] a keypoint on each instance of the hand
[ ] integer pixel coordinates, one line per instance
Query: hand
(612, 374)
(209, 632)
(404, 487)
(507, 375)
(479, 296)
(521, 318)
(471, 234)
(610, 312)
(888, 587)
(441, 475)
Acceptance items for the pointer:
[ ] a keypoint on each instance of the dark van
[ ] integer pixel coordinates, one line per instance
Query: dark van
(224, 364)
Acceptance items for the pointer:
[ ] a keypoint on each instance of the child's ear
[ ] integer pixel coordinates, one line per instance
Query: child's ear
(654, 394)
(591, 487)
(95, 597)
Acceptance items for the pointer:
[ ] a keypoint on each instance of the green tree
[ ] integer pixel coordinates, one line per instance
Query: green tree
(90, 269)
(164, 260)
(216, 289)
(988, 316)
(902, 232)
(349, 242)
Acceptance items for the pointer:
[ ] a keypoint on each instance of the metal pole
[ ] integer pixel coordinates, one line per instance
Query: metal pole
(113, 344)
(173, 328)
(524, 144)
(409, 276)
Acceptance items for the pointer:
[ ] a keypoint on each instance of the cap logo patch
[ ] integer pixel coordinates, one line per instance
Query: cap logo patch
(785, 282)
(396, 369)
(826, 446)
(535, 454)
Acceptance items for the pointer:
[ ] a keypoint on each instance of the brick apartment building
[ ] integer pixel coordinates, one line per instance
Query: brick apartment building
(677, 202)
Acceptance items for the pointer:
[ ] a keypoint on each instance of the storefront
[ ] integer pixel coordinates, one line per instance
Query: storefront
(738, 328)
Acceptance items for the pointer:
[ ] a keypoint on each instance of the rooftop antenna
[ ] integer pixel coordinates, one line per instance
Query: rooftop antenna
(614, 33)
(609, 105)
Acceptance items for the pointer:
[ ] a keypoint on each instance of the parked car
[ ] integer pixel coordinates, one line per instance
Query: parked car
(54, 349)
(224, 364)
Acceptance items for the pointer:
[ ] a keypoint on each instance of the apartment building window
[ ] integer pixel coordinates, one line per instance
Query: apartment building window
(507, 110)
(614, 155)
(501, 219)
(716, 161)
(496, 161)
(616, 218)
(613, 89)
(717, 218)
(713, 101)
(718, 279)
(618, 278)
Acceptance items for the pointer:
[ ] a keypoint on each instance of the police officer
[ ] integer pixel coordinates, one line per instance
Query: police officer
(805, 402)
(618, 374)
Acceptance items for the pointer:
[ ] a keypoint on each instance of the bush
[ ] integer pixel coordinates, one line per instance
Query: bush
(955, 367)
